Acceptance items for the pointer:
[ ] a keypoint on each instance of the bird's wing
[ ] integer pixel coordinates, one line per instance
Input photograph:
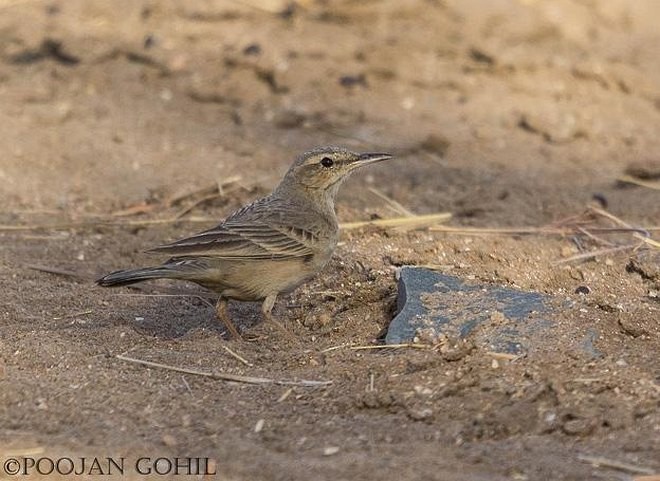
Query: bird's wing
(238, 240)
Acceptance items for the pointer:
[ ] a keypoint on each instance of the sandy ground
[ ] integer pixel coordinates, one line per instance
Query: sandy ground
(118, 116)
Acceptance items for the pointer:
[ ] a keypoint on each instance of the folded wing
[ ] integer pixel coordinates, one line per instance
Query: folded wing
(244, 241)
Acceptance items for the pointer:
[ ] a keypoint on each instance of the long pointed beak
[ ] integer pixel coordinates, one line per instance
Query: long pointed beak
(370, 158)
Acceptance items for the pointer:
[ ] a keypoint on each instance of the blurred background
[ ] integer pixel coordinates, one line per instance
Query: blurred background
(503, 112)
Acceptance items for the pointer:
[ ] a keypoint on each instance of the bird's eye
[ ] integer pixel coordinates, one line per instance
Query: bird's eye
(327, 162)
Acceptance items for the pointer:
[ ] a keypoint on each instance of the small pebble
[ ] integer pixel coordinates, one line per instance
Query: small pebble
(259, 426)
(169, 440)
(330, 450)
(288, 119)
(353, 80)
(423, 390)
(149, 41)
(420, 414)
(252, 49)
(436, 143)
(577, 427)
(583, 290)
(601, 199)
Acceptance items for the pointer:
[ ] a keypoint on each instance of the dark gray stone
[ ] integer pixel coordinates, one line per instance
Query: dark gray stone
(509, 320)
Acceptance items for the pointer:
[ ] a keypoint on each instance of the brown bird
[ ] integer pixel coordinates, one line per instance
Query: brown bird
(268, 247)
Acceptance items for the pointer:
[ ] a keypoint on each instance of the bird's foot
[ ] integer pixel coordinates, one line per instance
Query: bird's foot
(223, 316)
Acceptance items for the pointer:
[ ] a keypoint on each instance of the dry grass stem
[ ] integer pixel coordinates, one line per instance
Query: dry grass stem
(600, 461)
(23, 452)
(195, 204)
(378, 346)
(642, 183)
(612, 217)
(185, 383)
(103, 223)
(595, 238)
(335, 348)
(415, 222)
(221, 376)
(597, 253)
(214, 188)
(647, 240)
(44, 237)
(392, 204)
(500, 231)
(57, 272)
(220, 191)
(573, 226)
(408, 345)
(273, 6)
(178, 198)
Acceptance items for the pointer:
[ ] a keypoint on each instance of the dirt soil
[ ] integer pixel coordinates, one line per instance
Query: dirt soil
(118, 116)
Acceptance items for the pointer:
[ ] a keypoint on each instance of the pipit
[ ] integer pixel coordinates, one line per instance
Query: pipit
(268, 247)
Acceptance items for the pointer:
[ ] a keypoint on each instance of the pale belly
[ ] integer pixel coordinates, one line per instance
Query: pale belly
(255, 280)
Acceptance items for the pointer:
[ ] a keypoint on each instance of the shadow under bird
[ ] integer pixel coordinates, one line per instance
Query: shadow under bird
(268, 247)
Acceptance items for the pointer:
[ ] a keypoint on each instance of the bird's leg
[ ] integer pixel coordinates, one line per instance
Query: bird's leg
(223, 315)
(266, 309)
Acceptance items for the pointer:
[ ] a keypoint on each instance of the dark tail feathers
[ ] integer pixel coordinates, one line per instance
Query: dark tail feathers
(124, 278)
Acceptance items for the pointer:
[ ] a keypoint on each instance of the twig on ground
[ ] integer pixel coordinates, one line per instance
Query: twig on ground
(237, 356)
(503, 356)
(74, 314)
(285, 395)
(141, 208)
(221, 376)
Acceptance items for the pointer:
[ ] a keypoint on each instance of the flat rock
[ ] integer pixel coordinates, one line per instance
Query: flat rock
(432, 304)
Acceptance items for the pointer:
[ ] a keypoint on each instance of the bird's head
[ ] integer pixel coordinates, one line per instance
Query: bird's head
(323, 169)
